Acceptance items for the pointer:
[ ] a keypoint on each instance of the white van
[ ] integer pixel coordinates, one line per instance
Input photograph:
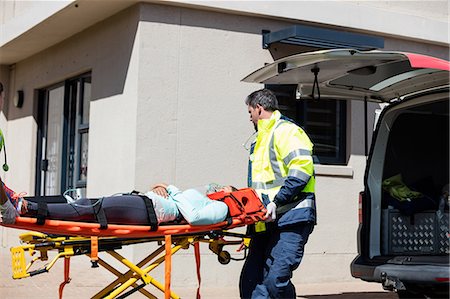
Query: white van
(403, 236)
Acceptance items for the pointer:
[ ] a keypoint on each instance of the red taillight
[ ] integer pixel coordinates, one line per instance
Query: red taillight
(442, 279)
(360, 199)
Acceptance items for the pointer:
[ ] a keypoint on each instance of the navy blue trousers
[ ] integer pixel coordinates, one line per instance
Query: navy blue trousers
(273, 256)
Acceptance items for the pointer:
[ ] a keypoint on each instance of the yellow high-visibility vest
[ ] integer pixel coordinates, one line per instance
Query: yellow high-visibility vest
(282, 149)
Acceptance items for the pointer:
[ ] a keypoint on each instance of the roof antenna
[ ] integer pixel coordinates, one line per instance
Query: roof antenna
(315, 84)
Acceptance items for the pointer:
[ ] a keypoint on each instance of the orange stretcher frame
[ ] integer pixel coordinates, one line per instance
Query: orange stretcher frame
(244, 206)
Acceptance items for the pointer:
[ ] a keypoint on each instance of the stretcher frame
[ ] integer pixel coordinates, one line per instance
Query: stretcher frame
(136, 277)
(71, 238)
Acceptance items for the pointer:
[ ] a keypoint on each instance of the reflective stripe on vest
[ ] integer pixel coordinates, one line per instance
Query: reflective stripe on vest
(306, 203)
(269, 185)
(299, 174)
(273, 155)
(279, 179)
(296, 153)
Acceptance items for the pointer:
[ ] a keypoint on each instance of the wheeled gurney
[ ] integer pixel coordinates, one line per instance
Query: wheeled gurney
(69, 238)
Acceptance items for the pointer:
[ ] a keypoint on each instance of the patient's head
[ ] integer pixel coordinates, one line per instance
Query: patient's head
(213, 187)
(228, 189)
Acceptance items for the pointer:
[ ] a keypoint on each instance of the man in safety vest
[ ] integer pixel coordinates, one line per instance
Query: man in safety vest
(281, 171)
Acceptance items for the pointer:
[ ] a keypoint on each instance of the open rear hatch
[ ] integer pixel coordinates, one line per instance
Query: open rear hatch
(378, 76)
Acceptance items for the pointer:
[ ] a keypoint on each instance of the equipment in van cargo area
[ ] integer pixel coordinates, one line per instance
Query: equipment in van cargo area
(404, 199)
(419, 234)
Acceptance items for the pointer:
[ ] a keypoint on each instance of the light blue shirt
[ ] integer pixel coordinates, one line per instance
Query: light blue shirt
(195, 207)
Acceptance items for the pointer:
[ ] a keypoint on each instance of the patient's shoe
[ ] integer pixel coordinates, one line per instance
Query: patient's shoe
(20, 203)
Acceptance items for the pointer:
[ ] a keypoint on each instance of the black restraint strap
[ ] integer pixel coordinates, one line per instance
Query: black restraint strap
(99, 213)
(229, 219)
(152, 219)
(42, 212)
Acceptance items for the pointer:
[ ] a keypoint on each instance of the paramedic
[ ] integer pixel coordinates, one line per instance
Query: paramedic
(282, 173)
(167, 200)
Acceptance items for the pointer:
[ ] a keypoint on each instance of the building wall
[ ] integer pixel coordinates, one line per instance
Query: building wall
(108, 51)
(168, 105)
(417, 20)
(113, 99)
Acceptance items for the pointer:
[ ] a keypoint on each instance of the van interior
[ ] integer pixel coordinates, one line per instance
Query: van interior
(414, 206)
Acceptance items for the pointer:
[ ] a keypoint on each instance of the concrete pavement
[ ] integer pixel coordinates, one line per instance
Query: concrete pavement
(335, 290)
(342, 290)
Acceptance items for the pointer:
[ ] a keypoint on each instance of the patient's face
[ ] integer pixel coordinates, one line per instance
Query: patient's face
(226, 189)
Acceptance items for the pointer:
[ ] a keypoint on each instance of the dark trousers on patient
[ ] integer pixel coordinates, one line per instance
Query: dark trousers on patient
(273, 256)
(124, 209)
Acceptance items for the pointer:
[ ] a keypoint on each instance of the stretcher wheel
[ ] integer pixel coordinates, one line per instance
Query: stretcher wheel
(224, 257)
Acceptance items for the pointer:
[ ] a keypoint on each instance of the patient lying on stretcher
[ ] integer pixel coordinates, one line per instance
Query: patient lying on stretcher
(169, 204)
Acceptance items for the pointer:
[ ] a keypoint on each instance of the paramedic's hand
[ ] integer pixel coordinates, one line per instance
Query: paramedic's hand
(271, 214)
(8, 212)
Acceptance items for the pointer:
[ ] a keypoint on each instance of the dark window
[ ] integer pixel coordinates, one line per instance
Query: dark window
(323, 120)
(62, 152)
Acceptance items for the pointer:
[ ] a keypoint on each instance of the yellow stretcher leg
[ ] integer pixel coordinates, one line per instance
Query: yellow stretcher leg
(71, 246)
(114, 271)
(137, 272)
(125, 276)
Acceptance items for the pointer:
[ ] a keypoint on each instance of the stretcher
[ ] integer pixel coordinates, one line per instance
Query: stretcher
(69, 238)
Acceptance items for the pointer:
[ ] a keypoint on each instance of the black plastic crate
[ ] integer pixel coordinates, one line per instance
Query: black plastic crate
(423, 233)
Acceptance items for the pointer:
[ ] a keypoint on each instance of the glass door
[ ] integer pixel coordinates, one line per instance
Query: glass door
(62, 152)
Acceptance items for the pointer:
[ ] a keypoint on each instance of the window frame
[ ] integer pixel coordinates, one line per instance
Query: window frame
(300, 112)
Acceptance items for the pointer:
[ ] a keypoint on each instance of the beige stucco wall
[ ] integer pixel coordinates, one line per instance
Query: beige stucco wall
(168, 106)
(113, 106)
(190, 90)
(107, 50)
(419, 20)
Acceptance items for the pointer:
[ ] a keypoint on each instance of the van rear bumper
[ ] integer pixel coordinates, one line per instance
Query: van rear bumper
(423, 274)
(362, 270)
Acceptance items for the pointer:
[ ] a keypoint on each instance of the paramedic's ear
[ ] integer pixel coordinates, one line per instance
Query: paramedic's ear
(259, 108)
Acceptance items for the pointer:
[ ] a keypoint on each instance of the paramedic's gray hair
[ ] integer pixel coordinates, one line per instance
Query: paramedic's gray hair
(263, 97)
